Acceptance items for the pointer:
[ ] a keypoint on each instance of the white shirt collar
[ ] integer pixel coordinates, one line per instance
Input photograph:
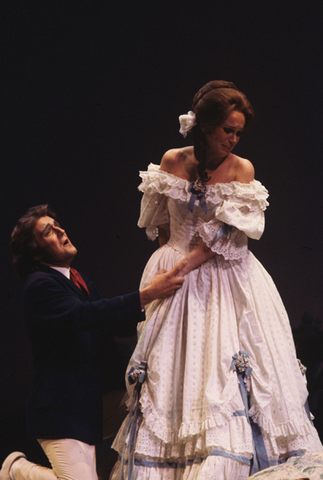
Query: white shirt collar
(65, 271)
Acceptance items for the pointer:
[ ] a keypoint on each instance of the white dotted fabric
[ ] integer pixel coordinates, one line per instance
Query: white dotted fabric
(229, 303)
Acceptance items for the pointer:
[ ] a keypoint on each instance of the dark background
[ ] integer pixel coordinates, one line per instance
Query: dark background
(91, 94)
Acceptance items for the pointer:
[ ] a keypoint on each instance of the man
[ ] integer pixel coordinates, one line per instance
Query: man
(67, 322)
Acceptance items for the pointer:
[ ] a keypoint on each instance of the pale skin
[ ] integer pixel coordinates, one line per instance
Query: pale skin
(222, 167)
(58, 251)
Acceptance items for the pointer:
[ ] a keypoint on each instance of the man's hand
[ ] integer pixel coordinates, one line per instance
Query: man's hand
(163, 284)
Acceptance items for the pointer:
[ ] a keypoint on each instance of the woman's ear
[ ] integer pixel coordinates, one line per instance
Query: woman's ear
(207, 130)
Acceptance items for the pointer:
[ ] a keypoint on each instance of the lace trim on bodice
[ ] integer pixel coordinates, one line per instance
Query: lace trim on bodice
(159, 181)
(237, 204)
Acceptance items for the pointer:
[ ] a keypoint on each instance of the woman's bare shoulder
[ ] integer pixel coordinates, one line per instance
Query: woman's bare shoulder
(245, 171)
(175, 158)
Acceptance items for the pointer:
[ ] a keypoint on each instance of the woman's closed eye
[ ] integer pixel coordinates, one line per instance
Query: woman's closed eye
(228, 130)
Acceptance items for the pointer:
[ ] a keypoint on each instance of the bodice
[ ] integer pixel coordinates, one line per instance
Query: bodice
(237, 208)
(184, 226)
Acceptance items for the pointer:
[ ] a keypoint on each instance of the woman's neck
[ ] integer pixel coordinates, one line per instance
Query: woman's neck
(213, 161)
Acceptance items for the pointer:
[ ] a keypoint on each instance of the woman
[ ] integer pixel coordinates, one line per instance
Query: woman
(224, 395)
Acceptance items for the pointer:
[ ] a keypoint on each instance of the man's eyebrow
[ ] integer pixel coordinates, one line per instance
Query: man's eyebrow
(45, 228)
(49, 224)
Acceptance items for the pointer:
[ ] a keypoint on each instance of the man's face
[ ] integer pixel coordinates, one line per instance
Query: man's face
(56, 248)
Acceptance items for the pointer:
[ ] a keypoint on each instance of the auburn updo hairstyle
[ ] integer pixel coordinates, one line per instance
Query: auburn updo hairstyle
(211, 105)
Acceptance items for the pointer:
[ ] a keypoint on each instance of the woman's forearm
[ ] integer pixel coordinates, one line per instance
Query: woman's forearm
(196, 257)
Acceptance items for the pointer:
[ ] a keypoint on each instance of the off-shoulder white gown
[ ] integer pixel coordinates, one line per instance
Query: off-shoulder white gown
(190, 425)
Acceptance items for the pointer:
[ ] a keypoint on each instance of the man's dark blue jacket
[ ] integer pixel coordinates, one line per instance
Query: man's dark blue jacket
(69, 335)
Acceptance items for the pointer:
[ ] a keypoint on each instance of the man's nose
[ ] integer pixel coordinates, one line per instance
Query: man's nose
(60, 230)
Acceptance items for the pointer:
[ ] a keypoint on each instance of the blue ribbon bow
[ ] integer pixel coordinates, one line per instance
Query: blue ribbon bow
(198, 190)
(135, 376)
(240, 364)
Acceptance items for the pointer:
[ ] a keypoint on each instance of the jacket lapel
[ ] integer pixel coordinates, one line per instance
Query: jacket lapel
(69, 284)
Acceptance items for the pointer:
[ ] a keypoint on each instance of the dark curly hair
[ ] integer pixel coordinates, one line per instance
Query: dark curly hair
(23, 244)
(212, 104)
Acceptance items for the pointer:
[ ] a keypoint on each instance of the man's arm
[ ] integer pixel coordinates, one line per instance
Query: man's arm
(50, 305)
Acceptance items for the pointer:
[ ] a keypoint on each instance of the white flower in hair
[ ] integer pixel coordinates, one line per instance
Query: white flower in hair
(187, 122)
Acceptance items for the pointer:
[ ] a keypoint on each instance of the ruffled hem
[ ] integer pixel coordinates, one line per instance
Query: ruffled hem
(235, 438)
(211, 467)
(165, 432)
(301, 427)
(158, 181)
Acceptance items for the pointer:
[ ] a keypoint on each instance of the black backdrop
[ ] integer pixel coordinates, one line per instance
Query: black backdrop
(91, 95)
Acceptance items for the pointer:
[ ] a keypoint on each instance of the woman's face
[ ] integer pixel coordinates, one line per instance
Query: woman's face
(225, 137)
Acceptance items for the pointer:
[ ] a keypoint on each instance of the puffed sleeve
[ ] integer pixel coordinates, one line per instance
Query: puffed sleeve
(153, 214)
(153, 210)
(239, 214)
(243, 207)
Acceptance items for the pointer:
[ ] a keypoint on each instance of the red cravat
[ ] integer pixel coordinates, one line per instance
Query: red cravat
(78, 280)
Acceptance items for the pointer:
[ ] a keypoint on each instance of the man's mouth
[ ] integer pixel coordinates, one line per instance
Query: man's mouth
(66, 242)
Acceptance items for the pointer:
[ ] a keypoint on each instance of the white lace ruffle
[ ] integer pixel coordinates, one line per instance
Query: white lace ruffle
(232, 247)
(212, 467)
(164, 430)
(236, 204)
(252, 194)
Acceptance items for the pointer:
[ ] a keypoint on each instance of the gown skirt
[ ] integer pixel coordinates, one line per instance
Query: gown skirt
(200, 407)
